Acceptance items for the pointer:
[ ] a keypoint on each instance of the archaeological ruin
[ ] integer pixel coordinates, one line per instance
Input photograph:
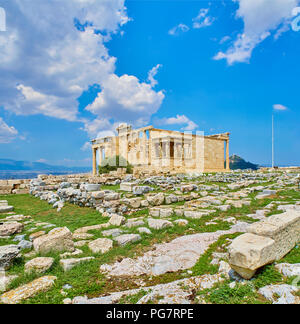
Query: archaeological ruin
(171, 151)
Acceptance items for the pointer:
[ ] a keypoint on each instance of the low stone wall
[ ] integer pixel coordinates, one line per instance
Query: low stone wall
(8, 187)
(265, 242)
(52, 182)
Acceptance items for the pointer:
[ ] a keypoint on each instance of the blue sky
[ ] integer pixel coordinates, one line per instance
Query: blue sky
(216, 66)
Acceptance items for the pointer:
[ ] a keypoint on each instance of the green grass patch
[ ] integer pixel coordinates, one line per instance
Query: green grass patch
(240, 294)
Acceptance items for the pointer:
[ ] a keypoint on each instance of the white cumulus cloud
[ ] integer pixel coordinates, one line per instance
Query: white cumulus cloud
(152, 73)
(126, 99)
(54, 50)
(187, 124)
(7, 133)
(203, 19)
(261, 18)
(46, 62)
(180, 28)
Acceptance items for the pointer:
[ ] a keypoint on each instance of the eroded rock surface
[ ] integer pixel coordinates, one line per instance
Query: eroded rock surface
(176, 292)
(7, 254)
(181, 253)
(7, 229)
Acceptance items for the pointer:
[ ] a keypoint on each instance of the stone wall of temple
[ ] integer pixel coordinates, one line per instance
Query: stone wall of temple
(214, 154)
(155, 148)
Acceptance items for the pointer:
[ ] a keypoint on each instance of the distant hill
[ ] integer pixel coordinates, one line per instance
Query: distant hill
(236, 162)
(12, 165)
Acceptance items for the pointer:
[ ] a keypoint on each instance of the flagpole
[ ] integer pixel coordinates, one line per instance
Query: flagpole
(273, 140)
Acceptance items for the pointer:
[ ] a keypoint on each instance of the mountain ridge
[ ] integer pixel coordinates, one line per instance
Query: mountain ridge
(236, 162)
(13, 165)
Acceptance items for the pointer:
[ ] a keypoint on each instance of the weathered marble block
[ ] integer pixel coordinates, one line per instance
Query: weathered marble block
(127, 186)
(57, 240)
(266, 241)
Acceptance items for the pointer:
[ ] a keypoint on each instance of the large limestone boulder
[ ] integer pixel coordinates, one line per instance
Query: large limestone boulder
(134, 222)
(133, 202)
(6, 209)
(39, 265)
(101, 245)
(7, 229)
(127, 186)
(159, 223)
(27, 291)
(111, 196)
(188, 188)
(57, 240)
(127, 238)
(98, 194)
(266, 241)
(284, 229)
(112, 232)
(141, 190)
(117, 220)
(249, 252)
(156, 200)
(91, 187)
(161, 211)
(7, 254)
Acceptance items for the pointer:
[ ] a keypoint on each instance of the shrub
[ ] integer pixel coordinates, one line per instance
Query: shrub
(113, 163)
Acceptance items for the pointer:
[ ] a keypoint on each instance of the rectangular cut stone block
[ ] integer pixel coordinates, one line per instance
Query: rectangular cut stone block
(165, 212)
(6, 209)
(266, 241)
(284, 229)
(127, 186)
(98, 194)
(251, 251)
(27, 291)
(154, 212)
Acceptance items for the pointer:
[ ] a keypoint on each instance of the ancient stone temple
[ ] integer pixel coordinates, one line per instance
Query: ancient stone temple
(150, 148)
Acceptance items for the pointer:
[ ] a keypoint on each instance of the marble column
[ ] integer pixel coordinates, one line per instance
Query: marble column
(227, 155)
(94, 161)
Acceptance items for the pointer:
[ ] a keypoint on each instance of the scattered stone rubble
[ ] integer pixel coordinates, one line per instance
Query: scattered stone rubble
(169, 201)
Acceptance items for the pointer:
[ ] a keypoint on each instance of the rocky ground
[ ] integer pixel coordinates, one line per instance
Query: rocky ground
(161, 239)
